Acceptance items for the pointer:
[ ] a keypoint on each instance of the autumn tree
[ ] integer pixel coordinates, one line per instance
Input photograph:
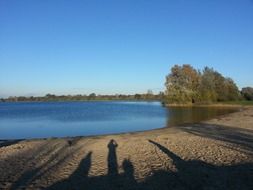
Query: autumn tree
(182, 84)
(207, 88)
(247, 93)
(231, 91)
(187, 85)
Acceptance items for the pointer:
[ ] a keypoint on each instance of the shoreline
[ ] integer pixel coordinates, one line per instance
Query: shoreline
(200, 155)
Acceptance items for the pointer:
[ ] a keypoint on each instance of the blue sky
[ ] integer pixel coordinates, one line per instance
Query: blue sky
(119, 46)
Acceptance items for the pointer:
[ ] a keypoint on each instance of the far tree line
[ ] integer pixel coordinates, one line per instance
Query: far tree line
(186, 85)
(149, 96)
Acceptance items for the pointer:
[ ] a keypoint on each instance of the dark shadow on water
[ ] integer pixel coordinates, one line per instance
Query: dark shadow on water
(190, 174)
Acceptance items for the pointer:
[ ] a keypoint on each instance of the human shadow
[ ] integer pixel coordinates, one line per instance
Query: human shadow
(128, 174)
(112, 180)
(79, 178)
(112, 158)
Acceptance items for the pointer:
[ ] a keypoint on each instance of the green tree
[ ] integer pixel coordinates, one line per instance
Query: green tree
(149, 95)
(92, 96)
(207, 88)
(182, 85)
(187, 85)
(231, 91)
(137, 96)
(247, 93)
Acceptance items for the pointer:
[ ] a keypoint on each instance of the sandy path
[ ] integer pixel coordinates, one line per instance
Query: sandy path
(217, 154)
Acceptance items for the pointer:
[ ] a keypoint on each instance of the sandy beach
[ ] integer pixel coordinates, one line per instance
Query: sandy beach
(215, 154)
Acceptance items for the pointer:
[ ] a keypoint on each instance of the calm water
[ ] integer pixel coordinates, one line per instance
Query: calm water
(59, 119)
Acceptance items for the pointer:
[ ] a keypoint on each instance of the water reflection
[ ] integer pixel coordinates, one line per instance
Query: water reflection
(183, 115)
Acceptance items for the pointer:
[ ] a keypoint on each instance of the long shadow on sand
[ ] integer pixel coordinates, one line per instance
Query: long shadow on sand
(196, 174)
(235, 136)
(36, 172)
(192, 174)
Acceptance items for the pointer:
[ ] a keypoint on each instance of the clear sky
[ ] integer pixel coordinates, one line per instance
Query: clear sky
(119, 46)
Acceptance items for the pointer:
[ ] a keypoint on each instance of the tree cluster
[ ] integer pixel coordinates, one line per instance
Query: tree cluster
(149, 96)
(186, 85)
(247, 93)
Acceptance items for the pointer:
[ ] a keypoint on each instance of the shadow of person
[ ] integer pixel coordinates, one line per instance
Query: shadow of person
(112, 158)
(79, 179)
(83, 169)
(128, 169)
(128, 175)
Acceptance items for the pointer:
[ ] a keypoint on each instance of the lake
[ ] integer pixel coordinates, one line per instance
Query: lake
(61, 119)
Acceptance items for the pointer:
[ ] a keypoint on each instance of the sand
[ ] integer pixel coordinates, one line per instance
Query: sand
(215, 154)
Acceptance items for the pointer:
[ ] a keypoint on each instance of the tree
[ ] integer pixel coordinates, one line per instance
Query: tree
(92, 96)
(149, 94)
(231, 91)
(207, 89)
(187, 85)
(247, 93)
(137, 96)
(182, 84)
(215, 87)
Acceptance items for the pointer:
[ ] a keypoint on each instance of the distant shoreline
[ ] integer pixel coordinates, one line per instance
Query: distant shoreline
(91, 97)
(113, 100)
(215, 104)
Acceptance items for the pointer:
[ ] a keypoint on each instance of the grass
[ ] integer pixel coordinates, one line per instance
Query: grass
(241, 102)
(215, 104)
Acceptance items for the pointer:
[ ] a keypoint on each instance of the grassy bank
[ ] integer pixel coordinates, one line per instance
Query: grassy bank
(217, 104)
(242, 103)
